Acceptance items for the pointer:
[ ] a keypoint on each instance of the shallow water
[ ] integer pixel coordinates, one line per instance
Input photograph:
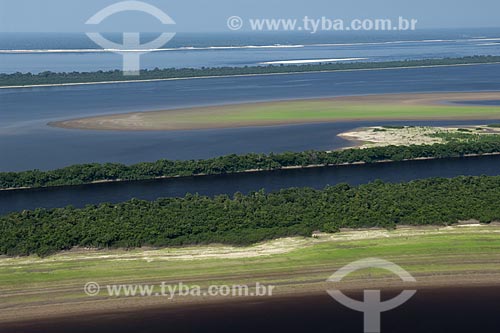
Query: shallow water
(26, 142)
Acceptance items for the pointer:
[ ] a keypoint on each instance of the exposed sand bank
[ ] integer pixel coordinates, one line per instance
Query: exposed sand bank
(379, 136)
(352, 108)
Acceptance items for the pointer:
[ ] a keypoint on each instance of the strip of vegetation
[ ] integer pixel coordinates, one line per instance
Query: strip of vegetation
(246, 219)
(90, 173)
(23, 79)
(393, 127)
(467, 135)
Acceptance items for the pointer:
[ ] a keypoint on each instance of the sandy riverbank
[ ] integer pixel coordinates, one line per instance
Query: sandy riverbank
(438, 257)
(380, 136)
(352, 108)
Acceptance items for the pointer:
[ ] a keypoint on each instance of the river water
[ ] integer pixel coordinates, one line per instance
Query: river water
(318, 178)
(67, 52)
(26, 142)
(443, 310)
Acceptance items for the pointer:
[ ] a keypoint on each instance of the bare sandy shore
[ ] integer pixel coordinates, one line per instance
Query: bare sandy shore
(352, 108)
(379, 136)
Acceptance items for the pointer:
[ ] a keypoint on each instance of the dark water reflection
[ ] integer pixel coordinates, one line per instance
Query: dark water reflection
(484, 103)
(229, 184)
(461, 310)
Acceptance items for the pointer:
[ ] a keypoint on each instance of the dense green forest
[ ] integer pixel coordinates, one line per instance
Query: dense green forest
(88, 173)
(20, 79)
(245, 219)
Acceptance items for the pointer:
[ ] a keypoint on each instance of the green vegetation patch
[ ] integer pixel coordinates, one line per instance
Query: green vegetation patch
(459, 144)
(422, 251)
(247, 219)
(303, 111)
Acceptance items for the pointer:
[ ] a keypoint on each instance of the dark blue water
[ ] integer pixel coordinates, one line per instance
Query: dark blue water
(443, 310)
(26, 142)
(80, 196)
(239, 49)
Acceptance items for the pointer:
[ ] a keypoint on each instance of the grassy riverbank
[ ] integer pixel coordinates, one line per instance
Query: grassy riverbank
(31, 287)
(356, 108)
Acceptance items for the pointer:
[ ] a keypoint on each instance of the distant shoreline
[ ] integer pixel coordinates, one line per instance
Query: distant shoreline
(238, 75)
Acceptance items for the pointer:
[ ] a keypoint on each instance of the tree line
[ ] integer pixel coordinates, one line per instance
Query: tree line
(95, 172)
(246, 219)
(48, 77)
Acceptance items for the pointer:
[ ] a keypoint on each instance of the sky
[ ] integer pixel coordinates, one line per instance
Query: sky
(211, 15)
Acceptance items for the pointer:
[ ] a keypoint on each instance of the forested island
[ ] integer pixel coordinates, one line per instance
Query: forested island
(458, 145)
(48, 78)
(246, 219)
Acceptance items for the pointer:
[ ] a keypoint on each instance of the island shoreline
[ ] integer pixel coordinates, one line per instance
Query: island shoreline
(297, 167)
(236, 75)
